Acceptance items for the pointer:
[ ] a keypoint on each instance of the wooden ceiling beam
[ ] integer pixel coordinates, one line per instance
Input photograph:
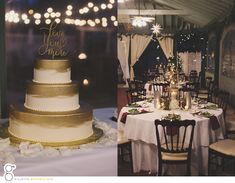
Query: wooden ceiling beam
(204, 10)
(152, 12)
(201, 21)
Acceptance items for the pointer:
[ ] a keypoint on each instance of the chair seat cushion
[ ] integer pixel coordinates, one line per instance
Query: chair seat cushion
(202, 96)
(226, 147)
(174, 156)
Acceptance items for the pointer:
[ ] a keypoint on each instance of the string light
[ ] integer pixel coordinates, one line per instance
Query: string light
(81, 11)
(68, 13)
(58, 14)
(82, 56)
(24, 16)
(97, 21)
(48, 21)
(110, 6)
(37, 22)
(82, 22)
(57, 20)
(69, 7)
(37, 16)
(67, 21)
(46, 15)
(113, 18)
(104, 24)
(103, 6)
(13, 17)
(115, 23)
(85, 9)
(31, 11)
(77, 22)
(26, 21)
(85, 82)
(90, 4)
(95, 9)
(49, 10)
(53, 15)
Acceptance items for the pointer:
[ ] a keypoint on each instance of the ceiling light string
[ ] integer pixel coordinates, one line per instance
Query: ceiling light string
(50, 15)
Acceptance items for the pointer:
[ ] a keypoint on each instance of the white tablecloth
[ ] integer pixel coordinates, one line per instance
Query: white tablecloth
(141, 129)
(95, 159)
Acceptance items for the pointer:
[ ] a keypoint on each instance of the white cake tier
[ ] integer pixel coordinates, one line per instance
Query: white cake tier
(52, 103)
(51, 76)
(41, 133)
(52, 71)
(52, 97)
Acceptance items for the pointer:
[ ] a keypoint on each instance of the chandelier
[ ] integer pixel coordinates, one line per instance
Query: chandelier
(141, 21)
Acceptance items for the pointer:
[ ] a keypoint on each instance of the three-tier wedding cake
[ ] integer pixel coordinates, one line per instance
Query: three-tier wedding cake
(51, 113)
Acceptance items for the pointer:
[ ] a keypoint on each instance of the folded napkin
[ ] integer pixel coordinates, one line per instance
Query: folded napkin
(214, 122)
(172, 130)
(124, 116)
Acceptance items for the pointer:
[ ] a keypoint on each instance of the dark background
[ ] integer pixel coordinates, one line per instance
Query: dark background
(23, 41)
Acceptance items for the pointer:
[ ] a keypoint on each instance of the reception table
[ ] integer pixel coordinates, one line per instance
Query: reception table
(140, 129)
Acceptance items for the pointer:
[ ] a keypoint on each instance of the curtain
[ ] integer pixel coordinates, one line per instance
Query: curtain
(166, 44)
(190, 61)
(123, 55)
(138, 45)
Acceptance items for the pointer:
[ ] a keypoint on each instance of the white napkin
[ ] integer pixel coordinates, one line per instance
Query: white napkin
(65, 151)
(5, 155)
(4, 143)
(30, 149)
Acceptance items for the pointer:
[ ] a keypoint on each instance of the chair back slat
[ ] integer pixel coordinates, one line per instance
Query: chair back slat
(172, 130)
(172, 139)
(185, 129)
(165, 137)
(178, 137)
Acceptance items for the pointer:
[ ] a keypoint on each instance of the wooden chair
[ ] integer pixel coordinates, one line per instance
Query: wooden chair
(223, 99)
(131, 93)
(225, 149)
(193, 73)
(182, 77)
(230, 121)
(207, 92)
(124, 149)
(135, 92)
(176, 146)
(193, 88)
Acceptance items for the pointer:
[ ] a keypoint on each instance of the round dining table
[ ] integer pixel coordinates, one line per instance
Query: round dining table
(140, 129)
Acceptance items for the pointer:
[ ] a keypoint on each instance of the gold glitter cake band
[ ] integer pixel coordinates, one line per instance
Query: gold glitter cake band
(47, 90)
(52, 119)
(58, 65)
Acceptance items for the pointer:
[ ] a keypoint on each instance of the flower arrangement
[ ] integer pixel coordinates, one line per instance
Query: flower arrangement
(172, 117)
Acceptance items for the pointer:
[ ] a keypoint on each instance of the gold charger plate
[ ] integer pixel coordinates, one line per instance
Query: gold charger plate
(73, 144)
